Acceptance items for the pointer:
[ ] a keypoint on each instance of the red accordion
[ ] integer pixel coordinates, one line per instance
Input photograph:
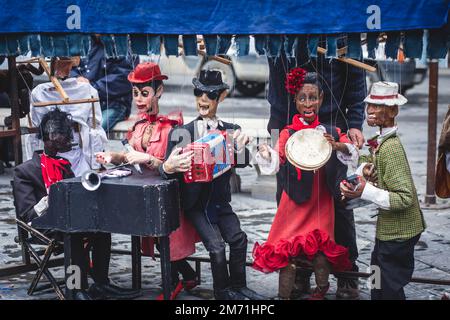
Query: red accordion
(213, 156)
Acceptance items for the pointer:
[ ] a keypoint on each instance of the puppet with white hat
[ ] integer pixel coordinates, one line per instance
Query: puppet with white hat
(385, 179)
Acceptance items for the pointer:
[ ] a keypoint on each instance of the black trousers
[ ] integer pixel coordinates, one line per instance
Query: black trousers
(226, 230)
(345, 231)
(87, 247)
(396, 262)
(180, 267)
(100, 245)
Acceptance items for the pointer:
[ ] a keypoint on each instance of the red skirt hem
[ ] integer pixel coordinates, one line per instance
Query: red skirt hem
(270, 257)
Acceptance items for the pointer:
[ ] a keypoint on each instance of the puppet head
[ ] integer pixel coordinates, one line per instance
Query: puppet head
(382, 104)
(56, 131)
(147, 83)
(60, 67)
(308, 94)
(209, 90)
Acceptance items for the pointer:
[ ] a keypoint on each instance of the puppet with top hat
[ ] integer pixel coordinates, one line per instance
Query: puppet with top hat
(207, 204)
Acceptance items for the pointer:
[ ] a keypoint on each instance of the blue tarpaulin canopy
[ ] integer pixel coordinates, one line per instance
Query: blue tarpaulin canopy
(64, 27)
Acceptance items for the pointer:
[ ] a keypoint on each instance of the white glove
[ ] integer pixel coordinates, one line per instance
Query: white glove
(42, 206)
(241, 140)
(178, 162)
(264, 151)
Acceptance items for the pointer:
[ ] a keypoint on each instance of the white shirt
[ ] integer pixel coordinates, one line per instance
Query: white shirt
(81, 157)
(202, 126)
(378, 196)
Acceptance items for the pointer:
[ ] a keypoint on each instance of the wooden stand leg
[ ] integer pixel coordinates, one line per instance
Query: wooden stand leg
(136, 262)
(165, 266)
(67, 263)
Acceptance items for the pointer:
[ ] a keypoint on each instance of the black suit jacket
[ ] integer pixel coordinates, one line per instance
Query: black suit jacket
(197, 195)
(29, 187)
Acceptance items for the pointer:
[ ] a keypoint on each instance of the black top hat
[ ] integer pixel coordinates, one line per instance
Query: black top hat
(210, 80)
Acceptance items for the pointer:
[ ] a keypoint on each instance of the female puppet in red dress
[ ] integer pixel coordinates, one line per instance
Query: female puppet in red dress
(303, 228)
(148, 137)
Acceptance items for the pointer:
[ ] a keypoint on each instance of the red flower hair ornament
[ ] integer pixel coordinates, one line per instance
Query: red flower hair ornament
(294, 80)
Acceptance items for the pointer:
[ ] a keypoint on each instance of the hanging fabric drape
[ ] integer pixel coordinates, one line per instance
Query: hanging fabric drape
(119, 45)
(63, 28)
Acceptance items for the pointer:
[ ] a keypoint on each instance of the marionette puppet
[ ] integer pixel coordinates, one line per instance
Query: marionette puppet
(32, 180)
(442, 184)
(385, 179)
(148, 139)
(88, 135)
(302, 232)
(206, 204)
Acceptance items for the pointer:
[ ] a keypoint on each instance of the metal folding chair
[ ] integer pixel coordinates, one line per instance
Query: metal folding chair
(28, 237)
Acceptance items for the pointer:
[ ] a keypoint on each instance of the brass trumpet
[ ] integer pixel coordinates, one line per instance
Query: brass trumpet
(91, 180)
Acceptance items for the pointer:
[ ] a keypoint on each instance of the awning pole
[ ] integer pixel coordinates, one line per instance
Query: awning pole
(430, 197)
(15, 112)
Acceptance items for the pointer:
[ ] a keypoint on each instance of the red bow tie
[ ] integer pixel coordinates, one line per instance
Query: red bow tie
(373, 143)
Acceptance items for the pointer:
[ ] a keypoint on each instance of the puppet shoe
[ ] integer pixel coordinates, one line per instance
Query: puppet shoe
(347, 289)
(250, 294)
(319, 293)
(229, 294)
(111, 291)
(190, 284)
(81, 295)
(175, 291)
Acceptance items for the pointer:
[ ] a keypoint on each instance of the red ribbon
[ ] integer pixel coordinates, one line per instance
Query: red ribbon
(155, 117)
(372, 96)
(372, 143)
(149, 117)
(52, 169)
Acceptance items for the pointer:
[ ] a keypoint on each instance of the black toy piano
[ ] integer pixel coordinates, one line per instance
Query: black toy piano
(136, 205)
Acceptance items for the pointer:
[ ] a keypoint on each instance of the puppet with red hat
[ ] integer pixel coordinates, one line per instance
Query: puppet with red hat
(149, 137)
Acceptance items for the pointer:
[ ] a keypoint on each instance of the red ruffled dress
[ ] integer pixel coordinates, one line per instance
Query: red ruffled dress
(302, 229)
(183, 239)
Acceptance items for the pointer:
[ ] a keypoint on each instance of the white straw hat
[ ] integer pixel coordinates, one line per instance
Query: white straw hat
(385, 93)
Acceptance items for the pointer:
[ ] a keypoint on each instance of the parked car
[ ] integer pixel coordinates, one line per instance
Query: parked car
(407, 74)
(246, 74)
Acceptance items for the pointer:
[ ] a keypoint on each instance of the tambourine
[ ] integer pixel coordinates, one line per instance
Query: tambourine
(308, 149)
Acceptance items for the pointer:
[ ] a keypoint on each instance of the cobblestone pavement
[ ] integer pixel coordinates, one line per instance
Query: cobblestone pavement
(432, 252)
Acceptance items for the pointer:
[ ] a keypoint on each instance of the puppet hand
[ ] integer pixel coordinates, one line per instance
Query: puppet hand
(368, 171)
(103, 157)
(264, 151)
(42, 206)
(357, 137)
(351, 191)
(241, 140)
(134, 157)
(178, 162)
(330, 140)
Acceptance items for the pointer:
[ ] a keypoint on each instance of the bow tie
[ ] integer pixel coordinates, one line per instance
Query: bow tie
(211, 124)
(373, 143)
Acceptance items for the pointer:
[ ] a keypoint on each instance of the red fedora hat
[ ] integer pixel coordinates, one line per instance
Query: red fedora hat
(145, 72)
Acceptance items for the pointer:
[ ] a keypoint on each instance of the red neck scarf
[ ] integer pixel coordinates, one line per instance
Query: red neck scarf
(149, 117)
(156, 117)
(52, 169)
(298, 124)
